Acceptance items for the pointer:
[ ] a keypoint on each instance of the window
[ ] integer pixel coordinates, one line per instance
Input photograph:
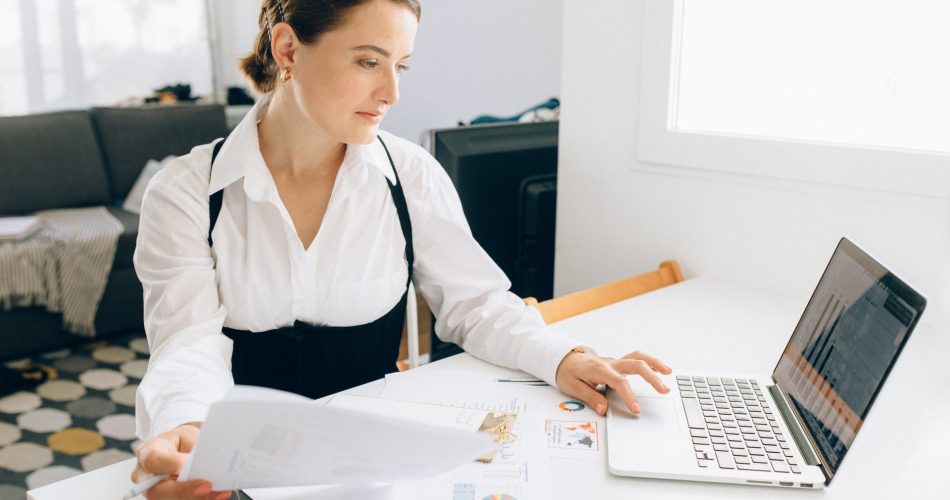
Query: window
(853, 93)
(67, 54)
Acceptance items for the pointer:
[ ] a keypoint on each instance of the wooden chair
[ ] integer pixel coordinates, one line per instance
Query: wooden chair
(566, 306)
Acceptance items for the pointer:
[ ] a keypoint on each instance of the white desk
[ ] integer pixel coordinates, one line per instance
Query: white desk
(903, 450)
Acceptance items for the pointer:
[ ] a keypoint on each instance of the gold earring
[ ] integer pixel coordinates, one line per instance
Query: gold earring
(284, 75)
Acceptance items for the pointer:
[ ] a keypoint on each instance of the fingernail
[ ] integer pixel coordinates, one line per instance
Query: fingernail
(224, 495)
(636, 407)
(204, 489)
(601, 409)
(665, 388)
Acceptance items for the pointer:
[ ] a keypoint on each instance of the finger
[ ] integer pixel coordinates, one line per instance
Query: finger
(641, 368)
(170, 488)
(593, 399)
(160, 457)
(654, 363)
(167, 452)
(607, 375)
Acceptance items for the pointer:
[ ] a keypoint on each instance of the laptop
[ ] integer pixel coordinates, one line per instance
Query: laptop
(794, 427)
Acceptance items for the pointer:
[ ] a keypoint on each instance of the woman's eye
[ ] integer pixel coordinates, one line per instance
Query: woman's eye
(369, 64)
(402, 67)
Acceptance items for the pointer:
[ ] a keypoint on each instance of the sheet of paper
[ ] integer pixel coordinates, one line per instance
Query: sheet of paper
(520, 470)
(259, 438)
(430, 414)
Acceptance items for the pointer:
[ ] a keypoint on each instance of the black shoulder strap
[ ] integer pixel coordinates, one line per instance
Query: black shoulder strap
(399, 198)
(216, 198)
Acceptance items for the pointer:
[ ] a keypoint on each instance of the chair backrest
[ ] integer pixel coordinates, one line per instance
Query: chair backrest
(576, 303)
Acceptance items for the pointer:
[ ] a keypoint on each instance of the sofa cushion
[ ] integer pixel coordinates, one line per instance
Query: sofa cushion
(50, 160)
(129, 137)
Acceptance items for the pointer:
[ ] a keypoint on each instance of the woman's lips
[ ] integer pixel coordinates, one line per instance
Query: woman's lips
(370, 117)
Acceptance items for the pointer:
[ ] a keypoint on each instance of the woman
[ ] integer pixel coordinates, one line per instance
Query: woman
(283, 253)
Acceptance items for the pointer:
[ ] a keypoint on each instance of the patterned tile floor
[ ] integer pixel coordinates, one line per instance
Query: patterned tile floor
(80, 421)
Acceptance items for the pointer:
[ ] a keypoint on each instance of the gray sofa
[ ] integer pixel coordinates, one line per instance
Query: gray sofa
(88, 158)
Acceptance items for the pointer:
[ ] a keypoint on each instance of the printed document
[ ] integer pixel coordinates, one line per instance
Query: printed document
(258, 438)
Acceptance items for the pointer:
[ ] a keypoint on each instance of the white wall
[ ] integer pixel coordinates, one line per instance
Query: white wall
(485, 57)
(615, 221)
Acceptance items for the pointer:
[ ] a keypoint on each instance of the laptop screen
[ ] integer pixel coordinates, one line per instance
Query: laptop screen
(845, 344)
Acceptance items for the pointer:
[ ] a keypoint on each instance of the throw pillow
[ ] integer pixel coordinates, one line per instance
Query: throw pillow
(133, 202)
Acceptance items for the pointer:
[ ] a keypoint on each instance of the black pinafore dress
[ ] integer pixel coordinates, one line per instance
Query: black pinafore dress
(315, 361)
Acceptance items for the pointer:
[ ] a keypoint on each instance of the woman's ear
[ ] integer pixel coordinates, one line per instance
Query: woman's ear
(283, 45)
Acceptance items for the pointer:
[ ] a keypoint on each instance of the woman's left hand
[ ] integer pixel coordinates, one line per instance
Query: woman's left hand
(580, 373)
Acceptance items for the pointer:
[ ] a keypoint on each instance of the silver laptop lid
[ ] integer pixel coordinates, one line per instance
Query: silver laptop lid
(846, 342)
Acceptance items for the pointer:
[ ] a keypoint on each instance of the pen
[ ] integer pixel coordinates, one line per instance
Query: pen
(140, 488)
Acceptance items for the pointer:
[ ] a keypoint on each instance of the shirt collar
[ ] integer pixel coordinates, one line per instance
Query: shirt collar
(240, 157)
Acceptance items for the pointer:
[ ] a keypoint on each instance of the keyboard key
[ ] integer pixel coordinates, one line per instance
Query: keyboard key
(788, 453)
(698, 433)
(742, 460)
(757, 451)
(737, 445)
(795, 469)
(694, 416)
(701, 441)
(712, 420)
(759, 459)
(734, 438)
(698, 379)
(770, 441)
(688, 394)
(784, 445)
(725, 460)
(775, 456)
(791, 460)
(780, 467)
(753, 444)
(755, 466)
(714, 381)
(772, 449)
(715, 433)
(718, 440)
(710, 413)
(682, 377)
(703, 463)
(721, 447)
(740, 452)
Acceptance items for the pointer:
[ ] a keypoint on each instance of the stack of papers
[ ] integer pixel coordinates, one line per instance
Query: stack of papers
(259, 437)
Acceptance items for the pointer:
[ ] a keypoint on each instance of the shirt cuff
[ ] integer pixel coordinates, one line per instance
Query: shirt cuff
(173, 416)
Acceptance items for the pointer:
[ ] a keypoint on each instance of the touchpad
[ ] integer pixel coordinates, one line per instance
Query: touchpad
(656, 414)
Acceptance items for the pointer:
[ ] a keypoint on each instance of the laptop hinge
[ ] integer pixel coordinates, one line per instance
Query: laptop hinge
(808, 453)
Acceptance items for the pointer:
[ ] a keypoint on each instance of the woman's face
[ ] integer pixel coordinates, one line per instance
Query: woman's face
(347, 81)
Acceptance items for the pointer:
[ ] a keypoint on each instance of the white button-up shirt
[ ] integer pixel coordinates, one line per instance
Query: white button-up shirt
(259, 277)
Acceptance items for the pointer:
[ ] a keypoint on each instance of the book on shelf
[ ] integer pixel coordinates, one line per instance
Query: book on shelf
(19, 228)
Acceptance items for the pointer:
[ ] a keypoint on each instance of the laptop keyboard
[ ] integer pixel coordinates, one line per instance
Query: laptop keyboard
(732, 425)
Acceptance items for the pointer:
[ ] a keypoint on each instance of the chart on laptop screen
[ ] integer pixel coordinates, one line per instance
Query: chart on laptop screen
(841, 351)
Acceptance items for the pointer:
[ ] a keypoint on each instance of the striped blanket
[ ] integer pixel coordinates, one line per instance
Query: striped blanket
(64, 266)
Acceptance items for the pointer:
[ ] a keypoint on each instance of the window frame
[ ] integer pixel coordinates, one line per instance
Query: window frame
(661, 148)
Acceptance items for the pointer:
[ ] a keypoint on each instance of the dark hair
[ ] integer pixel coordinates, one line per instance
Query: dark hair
(309, 19)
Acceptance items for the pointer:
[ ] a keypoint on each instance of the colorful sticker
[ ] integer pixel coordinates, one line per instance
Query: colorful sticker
(571, 435)
(572, 406)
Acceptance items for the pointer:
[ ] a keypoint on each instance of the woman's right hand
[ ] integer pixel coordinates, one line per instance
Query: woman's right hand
(166, 454)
